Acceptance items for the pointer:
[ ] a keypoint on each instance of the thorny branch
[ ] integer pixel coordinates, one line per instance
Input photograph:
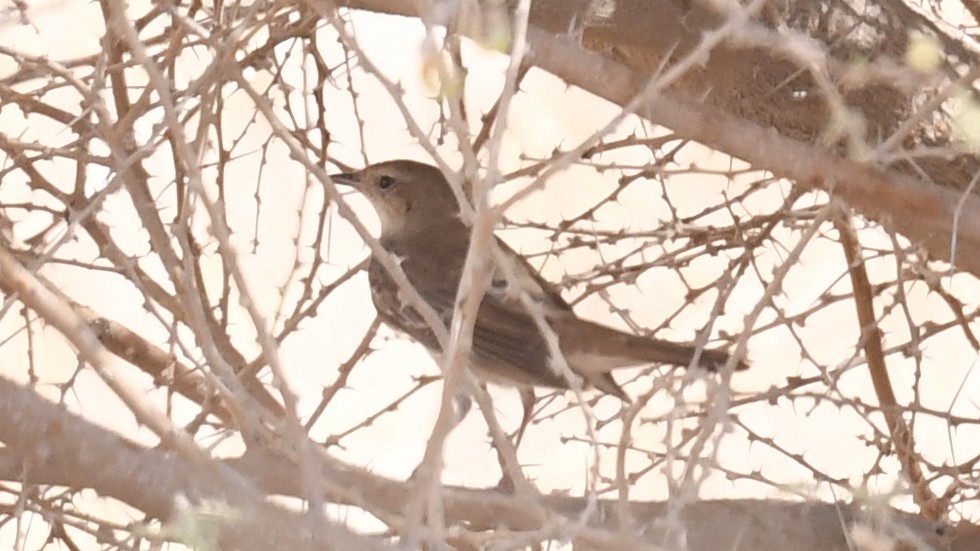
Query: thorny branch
(149, 187)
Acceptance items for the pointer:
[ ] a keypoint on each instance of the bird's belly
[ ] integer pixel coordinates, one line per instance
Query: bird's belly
(507, 374)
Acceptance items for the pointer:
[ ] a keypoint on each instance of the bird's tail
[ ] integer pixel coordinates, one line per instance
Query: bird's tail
(597, 348)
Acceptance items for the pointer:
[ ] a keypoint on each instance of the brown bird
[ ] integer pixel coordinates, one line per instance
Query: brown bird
(421, 227)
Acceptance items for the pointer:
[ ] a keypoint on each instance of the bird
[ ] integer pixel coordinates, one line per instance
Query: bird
(422, 228)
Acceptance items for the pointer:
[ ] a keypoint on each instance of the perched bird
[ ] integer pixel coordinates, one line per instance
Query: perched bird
(421, 227)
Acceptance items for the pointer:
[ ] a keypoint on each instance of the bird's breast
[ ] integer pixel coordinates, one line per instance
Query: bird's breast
(394, 305)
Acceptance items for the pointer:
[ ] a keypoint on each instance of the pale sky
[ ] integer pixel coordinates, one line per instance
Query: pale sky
(547, 114)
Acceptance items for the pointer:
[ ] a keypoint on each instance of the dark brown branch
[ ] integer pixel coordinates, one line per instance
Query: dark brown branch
(871, 337)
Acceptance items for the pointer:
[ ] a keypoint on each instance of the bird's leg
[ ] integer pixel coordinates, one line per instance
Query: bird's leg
(463, 404)
(506, 485)
(527, 400)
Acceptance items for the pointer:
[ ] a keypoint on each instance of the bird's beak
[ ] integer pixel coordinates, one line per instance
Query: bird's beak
(352, 179)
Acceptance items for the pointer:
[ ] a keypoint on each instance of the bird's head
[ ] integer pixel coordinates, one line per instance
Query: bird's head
(407, 195)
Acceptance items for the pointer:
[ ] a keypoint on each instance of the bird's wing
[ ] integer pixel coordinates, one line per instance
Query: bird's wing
(507, 343)
(528, 279)
(506, 340)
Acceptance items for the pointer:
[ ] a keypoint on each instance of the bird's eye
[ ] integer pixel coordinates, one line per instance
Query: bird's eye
(386, 182)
